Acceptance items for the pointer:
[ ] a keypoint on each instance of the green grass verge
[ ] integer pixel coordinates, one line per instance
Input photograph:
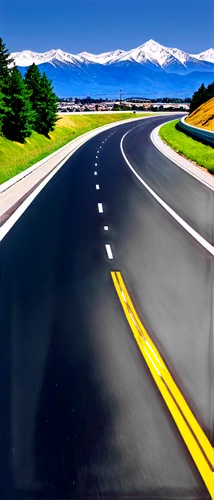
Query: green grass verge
(16, 157)
(192, 149)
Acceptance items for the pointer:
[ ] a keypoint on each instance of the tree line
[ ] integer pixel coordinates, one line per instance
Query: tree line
(26, 104)
(202, 95)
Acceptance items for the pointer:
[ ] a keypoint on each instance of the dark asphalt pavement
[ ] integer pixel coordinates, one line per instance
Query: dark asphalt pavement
(81, 415)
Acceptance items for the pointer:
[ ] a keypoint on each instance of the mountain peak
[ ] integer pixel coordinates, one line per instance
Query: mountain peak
(207, 55)
(150, 52)
(152, 42)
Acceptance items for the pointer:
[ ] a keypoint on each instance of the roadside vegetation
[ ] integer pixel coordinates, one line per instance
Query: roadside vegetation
(192, 149)
(203, 116)
(16, 157)
(26, 104)
(200, 96)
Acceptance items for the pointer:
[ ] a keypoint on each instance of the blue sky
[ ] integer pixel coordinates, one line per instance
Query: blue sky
(103, 25)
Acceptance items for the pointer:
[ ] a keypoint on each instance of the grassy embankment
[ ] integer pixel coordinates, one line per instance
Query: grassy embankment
(16, 157)
(192, 149)
(203, 116)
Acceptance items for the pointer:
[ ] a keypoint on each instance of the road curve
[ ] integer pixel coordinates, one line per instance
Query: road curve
(82, 416)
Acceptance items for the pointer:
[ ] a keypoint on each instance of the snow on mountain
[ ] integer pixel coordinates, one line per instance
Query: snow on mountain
(183, 57)
(61, 57)
(104, 58)
(27, 57)
(158, 55)
(86, 57)
(150, 53)
(207, 55)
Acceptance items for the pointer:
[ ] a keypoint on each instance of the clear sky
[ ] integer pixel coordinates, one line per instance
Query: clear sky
(103, 25)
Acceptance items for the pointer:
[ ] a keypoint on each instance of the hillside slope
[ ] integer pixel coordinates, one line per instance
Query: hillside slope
(133, 78)
(203, 116)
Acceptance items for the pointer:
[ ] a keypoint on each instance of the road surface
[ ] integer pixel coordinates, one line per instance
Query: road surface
(82, 416)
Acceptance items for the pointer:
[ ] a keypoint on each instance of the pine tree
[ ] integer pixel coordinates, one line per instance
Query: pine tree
(2, 104)
(210, 91)
(2, 110)
(203, 94)
(43, 99)
(46, 107)
(5, 63)
(197, 98)
(20, 116)
(33, 83)
(5, 70)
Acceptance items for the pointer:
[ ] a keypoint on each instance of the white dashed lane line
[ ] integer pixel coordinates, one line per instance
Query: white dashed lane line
(100, 208)
(109, 251)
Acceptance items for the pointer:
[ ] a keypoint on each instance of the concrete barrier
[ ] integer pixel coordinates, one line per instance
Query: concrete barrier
(201, 134)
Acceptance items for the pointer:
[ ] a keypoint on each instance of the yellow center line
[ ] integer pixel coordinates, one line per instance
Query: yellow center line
(196, 441)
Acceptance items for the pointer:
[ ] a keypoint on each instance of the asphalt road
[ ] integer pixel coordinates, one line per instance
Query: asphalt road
(81, 415)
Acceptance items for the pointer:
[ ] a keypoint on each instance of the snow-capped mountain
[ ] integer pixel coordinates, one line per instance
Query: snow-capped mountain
(149, 70)
(154, 53)
(104, 58)
(207, 55)
(150, 52)
(170, 59)
(54, 57)
(27, 57)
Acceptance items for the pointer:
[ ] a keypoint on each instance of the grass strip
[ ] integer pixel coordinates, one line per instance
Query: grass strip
(16, 157)
(201, 154)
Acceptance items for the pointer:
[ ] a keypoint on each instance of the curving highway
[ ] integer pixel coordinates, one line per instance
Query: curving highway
(82, 415)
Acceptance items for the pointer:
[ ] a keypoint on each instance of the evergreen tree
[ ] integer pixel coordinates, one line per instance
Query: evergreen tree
(2, 110)
(33, 83)
(5, 64)
(47, 107)
(203, 94)
(5, 70)
(197, 98)
(210, 91)
(20, 116)
(43, 99)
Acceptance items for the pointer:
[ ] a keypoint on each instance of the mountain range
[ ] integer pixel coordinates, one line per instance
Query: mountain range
(150, 70)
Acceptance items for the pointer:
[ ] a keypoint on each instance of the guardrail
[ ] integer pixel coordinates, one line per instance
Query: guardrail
(206, 136)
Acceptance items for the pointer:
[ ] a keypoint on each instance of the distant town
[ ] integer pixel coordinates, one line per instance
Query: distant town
(136, 104)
